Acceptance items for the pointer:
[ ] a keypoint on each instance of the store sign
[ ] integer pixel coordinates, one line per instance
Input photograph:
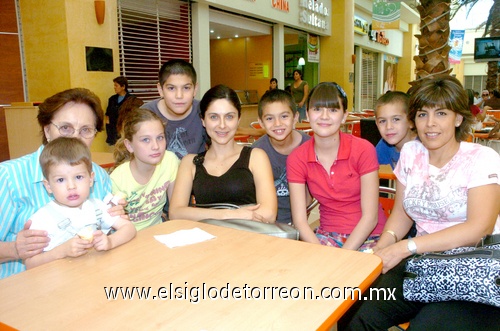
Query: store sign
(386, 15)
(456, 42)
(314, 13)
(360, 26)
(312, 48)
(281, 5)
(378, 37)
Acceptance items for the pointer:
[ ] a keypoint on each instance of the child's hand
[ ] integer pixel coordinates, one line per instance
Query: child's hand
(119, 209)
(101, 241)
(76, 247)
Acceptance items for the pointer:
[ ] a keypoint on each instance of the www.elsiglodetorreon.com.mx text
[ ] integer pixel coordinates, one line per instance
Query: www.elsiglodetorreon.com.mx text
(195, 294)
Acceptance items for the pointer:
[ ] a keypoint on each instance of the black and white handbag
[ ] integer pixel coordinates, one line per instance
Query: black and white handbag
(464, 274)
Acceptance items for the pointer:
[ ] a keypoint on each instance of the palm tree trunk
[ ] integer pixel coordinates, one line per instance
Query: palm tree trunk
(433, 39)
(493, 29)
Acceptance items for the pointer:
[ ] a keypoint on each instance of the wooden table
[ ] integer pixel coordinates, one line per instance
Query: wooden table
(103, 159)
(69, 294)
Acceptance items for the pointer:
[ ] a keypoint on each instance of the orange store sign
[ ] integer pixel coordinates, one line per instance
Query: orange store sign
(281, 5)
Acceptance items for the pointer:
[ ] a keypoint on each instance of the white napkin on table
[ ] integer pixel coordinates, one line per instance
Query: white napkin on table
(184, 237)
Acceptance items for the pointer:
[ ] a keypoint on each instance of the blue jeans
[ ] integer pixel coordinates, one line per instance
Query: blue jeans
(302, 112)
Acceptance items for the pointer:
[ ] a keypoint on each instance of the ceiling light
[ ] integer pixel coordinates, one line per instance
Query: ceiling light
(236, 36)
(302, 61)
(218, 37)
(211, 31)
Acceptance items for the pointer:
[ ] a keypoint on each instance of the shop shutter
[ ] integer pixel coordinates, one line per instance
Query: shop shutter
(476, 83)
(369, 78)
(150, 33)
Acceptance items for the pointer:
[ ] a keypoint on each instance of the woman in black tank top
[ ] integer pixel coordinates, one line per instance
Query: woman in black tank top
(227, 172)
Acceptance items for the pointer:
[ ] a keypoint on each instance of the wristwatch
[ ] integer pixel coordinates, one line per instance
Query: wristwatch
(411, 246)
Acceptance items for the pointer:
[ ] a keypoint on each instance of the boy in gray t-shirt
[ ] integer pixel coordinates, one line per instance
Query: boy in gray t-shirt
(278, 116)
(177, 86)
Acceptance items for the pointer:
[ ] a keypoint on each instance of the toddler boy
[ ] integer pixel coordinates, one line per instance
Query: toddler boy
(74, 222)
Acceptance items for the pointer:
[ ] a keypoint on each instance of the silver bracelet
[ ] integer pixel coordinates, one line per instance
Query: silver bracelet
(412, 247)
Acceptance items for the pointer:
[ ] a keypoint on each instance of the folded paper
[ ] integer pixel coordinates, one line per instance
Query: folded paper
(184, 237)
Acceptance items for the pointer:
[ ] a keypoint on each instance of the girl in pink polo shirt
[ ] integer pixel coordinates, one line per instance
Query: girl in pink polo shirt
(341, 172)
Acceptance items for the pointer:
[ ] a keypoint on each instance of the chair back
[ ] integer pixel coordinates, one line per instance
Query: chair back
(256, 125)
(386, 199)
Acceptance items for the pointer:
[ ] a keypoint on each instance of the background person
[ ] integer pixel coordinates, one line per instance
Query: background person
(77, 113)
(227, 172)
(493, 103)
(120, 85)
(273, 84)
(300, 92)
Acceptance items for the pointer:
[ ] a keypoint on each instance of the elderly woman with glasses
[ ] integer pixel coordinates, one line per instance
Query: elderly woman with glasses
(77, 113)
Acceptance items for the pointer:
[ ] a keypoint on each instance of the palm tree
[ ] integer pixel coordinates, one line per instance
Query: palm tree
(433, 47)
(433, 39)
(493, 29)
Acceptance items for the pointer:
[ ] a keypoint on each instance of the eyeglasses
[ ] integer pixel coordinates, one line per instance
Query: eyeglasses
(485, 95)
(67, 130)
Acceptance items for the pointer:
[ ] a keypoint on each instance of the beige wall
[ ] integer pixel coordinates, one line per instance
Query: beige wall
(230, 59)
(336, 51)
(406, 65)
(56, 33)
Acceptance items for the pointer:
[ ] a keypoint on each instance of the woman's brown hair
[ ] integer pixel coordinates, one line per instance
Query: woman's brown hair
(443, 92)
(51, 105)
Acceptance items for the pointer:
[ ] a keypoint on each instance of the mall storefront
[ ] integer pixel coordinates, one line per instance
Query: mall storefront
(281, 36)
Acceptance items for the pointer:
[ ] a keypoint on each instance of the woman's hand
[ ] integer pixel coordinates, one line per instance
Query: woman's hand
(30, 242)
(392, 255)
(251, 213)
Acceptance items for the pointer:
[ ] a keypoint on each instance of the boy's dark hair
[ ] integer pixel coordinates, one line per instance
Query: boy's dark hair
(122, 81)
(219, 92)
(446, 92)
(392, 97)
(176, 67)
(69, 150)
(276, 95)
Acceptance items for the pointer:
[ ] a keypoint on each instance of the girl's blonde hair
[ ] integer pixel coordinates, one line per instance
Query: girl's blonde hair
(130, 127)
